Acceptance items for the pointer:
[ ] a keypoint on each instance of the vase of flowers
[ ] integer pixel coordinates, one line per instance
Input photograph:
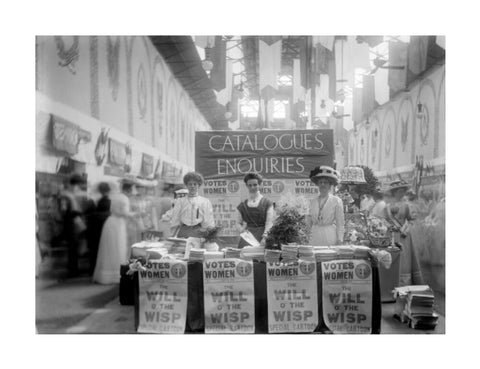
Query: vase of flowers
(210, 236)
(290, 225)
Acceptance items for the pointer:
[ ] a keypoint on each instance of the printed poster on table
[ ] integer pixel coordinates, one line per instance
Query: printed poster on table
(347, 296)
(229, 296)
(292, 297)
(163, 290)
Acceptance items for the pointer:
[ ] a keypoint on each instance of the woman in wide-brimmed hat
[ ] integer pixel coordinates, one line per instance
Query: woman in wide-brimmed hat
(398, 213)
(397, 208)
(326, 211)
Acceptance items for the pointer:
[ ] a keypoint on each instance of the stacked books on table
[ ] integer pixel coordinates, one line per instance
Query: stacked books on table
(415, 306)
(253, 253)
(344, 252)
(305, 252)
(324, 253)
(150, 249)
(212, 255)
(289, 253)
(231, 252)
(272, 256)
(178, 245)
(196, 255)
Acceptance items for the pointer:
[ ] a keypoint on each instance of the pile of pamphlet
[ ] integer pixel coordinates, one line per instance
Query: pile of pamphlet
(208, 255)
(231, 252)
(415, 306)
(305, 252)
(289, 253)
(272, 256)
(196, 255)
(324, 253)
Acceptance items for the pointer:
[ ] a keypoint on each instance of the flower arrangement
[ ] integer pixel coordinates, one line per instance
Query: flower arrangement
(290, 225)
(210, 234)
(355, 228)
(379, 231)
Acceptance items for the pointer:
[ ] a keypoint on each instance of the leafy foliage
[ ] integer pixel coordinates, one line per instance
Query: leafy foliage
(289, 226)
(210, 234)
(370, 178)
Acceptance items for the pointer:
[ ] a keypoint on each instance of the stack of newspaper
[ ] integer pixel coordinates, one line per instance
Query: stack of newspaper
(289, 253)
(415, 306)
(197, 255)
(344, 252)
(305, 252)
(212, 255)
(231, 253)
(272, 256)
(324, 253)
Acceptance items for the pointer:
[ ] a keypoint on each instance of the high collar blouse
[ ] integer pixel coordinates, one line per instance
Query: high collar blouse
(192, 211)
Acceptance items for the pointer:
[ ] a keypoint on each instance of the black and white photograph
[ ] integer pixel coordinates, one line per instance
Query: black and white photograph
(213, 182)
(314, 165)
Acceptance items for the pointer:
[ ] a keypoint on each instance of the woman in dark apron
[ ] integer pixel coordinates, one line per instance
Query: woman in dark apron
(256, 213)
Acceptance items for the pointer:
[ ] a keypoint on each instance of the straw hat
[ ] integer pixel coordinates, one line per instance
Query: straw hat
(324, 171)
(395, 185)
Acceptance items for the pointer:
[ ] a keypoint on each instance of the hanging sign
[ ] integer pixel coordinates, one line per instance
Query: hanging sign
(292, 296)
(229, 296)
(347, 296)
(147, 165)
(116, 152)
(163, 292)
(272, 153)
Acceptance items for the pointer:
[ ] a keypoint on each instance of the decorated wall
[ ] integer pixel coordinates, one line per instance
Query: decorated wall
(112, 87)
(399, 136)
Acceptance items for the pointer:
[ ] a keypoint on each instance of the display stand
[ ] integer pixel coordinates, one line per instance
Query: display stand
(390, 278)
(195, 309)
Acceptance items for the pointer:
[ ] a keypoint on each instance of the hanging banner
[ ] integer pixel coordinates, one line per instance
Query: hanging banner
(272, 153)
(229, 296)
(163, 292)
(292, 297)
(147, 165)
(116, 153)
(347, 296)
(66, 136)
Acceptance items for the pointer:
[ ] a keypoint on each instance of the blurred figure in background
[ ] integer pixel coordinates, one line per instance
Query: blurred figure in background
(113, 248)
(366, 202)
(179, 192)
(378, 208)
(398, 214)
(73, 203)
(95, 222)
(150, 219)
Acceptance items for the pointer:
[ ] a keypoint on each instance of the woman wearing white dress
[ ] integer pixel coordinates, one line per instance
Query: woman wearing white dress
(326, 211)
(113, 248)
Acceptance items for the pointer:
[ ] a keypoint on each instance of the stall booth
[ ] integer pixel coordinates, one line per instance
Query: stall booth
(336, 291)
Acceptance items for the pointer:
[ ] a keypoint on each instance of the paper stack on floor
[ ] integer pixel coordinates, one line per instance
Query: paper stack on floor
(415, 306)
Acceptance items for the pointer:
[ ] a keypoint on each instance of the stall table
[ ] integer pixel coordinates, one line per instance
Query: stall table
(195, 308)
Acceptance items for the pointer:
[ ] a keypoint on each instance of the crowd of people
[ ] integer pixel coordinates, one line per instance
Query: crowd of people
(104, 226)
